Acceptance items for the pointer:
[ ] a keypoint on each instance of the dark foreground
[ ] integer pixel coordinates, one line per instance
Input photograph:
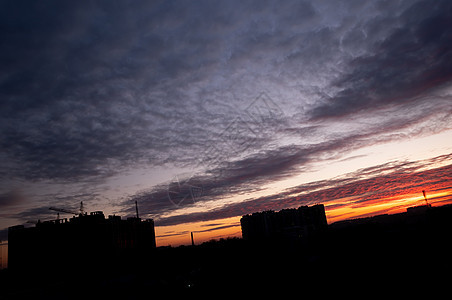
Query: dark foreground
(406, 253)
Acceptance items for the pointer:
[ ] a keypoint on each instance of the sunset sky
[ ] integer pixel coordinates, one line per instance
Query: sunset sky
(203, 111)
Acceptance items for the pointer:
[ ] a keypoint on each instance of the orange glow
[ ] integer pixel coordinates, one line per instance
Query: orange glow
(203, 231)
(336, 210)
(3, 255)
(395, 204)
(387, 193)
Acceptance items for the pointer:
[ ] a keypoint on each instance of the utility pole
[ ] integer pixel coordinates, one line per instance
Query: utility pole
(192, 240)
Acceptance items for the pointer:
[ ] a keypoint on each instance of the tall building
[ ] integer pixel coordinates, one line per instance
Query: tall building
(87, 239)
(295, 223)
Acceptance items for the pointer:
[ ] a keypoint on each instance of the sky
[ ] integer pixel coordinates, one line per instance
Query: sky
(204, 111)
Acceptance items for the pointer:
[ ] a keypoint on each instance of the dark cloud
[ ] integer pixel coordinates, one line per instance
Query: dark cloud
(11, 198)
(76, 88)
(172, 234)
(42, 213)
(218, 228)
(380, 182)
(414, 58)
(253, 172)
(226, 179)
(90, 89)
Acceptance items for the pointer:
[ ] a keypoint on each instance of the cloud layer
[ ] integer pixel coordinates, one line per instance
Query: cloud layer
(90, 88)
(363, 188)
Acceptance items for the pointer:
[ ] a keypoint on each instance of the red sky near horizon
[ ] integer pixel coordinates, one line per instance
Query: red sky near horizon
(390, 193)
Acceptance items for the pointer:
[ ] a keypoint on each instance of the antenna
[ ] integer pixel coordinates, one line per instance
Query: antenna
(425, 197)
(82, 211)
(136, 208)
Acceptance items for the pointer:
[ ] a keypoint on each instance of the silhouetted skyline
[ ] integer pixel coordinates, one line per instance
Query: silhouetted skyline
(287, 224)
(404, 246)
(84, 240)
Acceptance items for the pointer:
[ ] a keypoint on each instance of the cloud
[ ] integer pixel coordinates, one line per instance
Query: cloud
(37, 213)
(93, 89)
(371, 185)
(411, 60)
(173, 234)
(223, 178)
(218, 228)
(75, 101)
(113, 92)
(11, 198)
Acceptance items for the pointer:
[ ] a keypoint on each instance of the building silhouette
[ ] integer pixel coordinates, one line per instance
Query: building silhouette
(291, 224)
(83, 240)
